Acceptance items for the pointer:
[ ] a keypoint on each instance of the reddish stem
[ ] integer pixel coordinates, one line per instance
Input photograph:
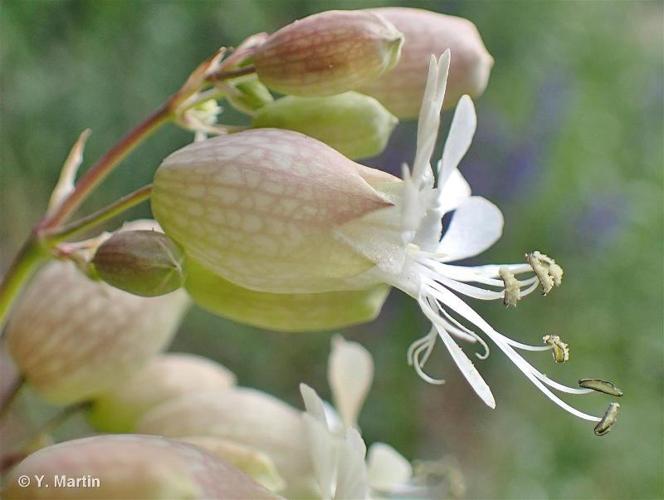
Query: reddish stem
(93, 177)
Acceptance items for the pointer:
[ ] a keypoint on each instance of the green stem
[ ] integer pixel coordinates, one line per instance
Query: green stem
(98, 172)
(34, 250)
(11, 395)
(27, 446)
(26, 262)
(98, 217)
(60, 418)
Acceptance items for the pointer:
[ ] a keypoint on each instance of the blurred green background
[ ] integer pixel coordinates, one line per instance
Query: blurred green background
(569, 145)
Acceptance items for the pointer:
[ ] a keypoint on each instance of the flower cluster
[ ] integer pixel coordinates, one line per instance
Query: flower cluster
(278, 212)
(275, 225)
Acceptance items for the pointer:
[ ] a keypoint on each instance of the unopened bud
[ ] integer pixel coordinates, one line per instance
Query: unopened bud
(287, 312)
(249, 96)
(146, 263)
(72, 337)
(127, 466)
(164, 377)
(600, 386)
(328, 53)
(426, 33)
(255, 463)
(260, 209)
(354, 124)
(608, 420)
(246, 417)
(559, 349)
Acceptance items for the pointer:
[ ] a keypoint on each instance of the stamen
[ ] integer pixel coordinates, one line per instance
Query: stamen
(470, 291)
(608, 420)
(485, 275)
(600, 386)
(541, 271)
(559, 387)
(447, 298)
(556, 273)
(512, 293)
(559, 349)
(548, 272)
(534, 282)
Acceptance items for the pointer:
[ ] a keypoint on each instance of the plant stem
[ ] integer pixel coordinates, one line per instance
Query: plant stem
(60, 418)
(11, 396)
(25, 263)
(233, 73)
(105, 165)
(29, 444)
(98, 217)
(98, 172)
(34, 251)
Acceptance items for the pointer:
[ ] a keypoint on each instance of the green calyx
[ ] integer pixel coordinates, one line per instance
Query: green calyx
(249, 96)
(145, 263)
(282, 312)
(354, 124)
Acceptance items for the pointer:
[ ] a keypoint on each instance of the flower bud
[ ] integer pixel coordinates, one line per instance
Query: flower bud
(246, 417)
(260, 207)
(164, 377)
(256, 464)
(127, 466)
(328, 53)
(354, 124)
(72, 337)
(146, 263)
(249, 96)
(282, 311)
(427, 33)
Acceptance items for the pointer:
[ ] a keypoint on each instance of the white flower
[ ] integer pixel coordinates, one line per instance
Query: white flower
(276, 211)
(405, 244)
(336, 447)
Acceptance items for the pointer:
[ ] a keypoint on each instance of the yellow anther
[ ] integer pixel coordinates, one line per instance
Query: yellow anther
(545, 268)
(559, 349)
(512, 293)
(556, 273)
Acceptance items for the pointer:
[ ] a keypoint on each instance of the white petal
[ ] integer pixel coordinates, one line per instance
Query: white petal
(350, 373)
(468, 369)
(459, 138)
(313, 403)
(387, 469)
(429, 119)
(352, 482)
(323, 445)
(454, 192)
(333, 419)
(323, 450)
(476, 225)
